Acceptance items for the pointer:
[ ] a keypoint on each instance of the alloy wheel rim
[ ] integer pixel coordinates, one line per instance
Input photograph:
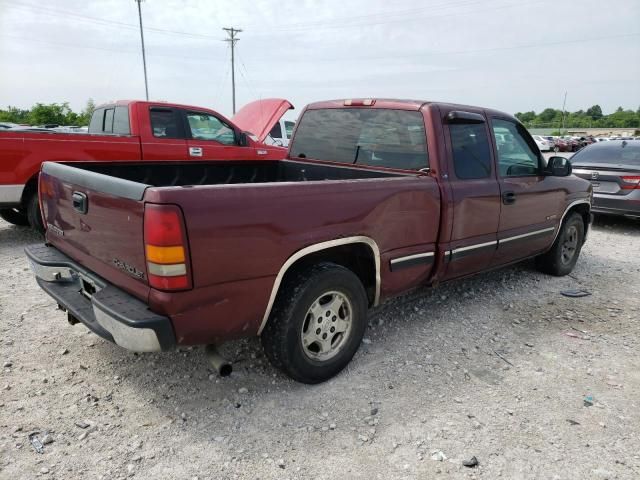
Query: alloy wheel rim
(327, 326)
(569, 245)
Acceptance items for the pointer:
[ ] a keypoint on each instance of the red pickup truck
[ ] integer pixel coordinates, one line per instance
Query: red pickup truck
(133, 131)
(376, 197)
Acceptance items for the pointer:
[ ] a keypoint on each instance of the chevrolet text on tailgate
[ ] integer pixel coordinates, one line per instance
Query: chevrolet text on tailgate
(375, 197)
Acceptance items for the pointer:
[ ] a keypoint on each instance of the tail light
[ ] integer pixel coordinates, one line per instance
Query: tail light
(166, 249)
(632, 182)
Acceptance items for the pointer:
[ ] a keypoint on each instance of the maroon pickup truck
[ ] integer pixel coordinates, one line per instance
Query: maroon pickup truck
(375, 197)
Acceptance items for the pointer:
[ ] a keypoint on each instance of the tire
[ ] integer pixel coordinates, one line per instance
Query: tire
(15, 217)
(564, 253)
(33, 213)
(301, 342)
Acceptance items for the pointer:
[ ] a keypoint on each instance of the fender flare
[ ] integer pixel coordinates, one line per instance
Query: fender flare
(316, 248)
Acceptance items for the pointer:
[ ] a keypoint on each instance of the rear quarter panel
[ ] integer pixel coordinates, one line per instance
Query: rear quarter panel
(241, 235)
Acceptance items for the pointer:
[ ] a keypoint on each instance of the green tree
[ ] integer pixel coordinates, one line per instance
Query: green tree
(54, 113)
(595, 112)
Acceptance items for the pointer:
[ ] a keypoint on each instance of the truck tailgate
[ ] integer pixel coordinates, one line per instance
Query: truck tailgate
(97, 220)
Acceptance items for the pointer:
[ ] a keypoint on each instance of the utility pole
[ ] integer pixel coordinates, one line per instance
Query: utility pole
(563, 105)
(232, 40)
(144, 58)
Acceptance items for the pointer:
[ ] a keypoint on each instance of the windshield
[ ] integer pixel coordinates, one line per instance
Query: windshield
(382, 138)
(609, 152)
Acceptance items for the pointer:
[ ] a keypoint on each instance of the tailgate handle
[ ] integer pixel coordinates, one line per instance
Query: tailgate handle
(195, 151)
(80, 202)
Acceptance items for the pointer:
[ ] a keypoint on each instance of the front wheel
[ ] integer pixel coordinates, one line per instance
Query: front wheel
(14, 216)
(565, 251)
(317, 323)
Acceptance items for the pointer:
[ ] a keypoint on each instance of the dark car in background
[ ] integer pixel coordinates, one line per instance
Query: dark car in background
(613, 168)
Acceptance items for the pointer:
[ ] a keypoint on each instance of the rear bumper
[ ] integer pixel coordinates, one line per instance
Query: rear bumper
(105, 309)
(627, 205)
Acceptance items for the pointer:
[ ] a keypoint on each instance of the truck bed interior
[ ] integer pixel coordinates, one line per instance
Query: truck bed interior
(167, 174)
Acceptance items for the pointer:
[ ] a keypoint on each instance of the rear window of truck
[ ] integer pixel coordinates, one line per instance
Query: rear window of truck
(380, 138)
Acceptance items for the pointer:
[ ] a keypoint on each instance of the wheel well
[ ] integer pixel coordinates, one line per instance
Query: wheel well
(357, 257)
(30, 188)
(584, 210)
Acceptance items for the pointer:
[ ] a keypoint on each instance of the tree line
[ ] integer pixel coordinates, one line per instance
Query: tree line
(47, 114)
(61, 114)
(591, 118)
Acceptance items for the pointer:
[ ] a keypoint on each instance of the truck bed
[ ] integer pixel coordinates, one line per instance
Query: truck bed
(167, 174)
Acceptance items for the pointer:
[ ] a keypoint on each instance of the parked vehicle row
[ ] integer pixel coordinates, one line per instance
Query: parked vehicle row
(374, 197)
(132, 131)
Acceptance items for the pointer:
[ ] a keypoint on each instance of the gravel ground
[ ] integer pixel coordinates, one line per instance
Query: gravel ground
(502, 367)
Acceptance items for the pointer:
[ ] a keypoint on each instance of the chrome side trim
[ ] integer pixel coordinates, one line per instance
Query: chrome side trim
(473, 247)
(316, 248)
(572, 204)
(411, 257)
(524, 235)
(11, 194)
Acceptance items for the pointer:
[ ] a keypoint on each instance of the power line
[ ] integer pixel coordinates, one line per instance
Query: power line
(232, 40)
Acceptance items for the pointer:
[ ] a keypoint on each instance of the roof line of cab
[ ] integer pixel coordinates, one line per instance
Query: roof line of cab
(400, 104)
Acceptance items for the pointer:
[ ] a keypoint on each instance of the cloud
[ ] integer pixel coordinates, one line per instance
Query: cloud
(507, 54)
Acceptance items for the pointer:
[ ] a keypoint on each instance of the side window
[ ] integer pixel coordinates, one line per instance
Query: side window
(207, 127)
(276, 131)
(288, 127)
(121, 121)
(165, 123)
(107, 127)
(471, 152)
(517, 152)
(97, 121)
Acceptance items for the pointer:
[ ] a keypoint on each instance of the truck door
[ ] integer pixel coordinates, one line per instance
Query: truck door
(475, 191)
(530, 201)
(164, 137)
(212, 138)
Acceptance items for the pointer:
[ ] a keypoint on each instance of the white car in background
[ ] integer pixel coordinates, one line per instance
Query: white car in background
(280, 134)
(543, 143)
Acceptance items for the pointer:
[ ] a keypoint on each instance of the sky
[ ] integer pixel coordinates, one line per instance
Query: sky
(512, 55)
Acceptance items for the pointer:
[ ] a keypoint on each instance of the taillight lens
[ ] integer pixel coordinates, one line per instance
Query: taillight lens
(166, 247)
(632, 181)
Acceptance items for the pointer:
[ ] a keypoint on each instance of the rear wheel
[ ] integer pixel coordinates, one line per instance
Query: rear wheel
(33, 213)
(317, 323)
(565, 251)
(15, 216)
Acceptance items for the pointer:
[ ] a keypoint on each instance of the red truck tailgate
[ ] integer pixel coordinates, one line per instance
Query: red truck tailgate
(97, 220)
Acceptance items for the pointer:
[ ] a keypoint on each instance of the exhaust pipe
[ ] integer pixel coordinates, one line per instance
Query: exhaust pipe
(217, 361)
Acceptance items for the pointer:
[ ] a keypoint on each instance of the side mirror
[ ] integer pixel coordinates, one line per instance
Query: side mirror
(558, 167)
(243, 139)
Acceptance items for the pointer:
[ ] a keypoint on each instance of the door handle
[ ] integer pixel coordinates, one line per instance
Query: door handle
(80, 202)
(195, 151)
(509, 198)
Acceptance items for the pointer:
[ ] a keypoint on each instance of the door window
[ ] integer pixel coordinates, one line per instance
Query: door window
(276, 131)
(165, 123)
(471, 153)
(207, 127)
(107, 126)
(517, 152)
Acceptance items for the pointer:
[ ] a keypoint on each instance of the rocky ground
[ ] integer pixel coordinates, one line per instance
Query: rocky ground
(502, 367)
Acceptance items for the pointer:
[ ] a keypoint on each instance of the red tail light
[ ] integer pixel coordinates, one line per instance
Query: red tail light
(166, 249)
(633, 182)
